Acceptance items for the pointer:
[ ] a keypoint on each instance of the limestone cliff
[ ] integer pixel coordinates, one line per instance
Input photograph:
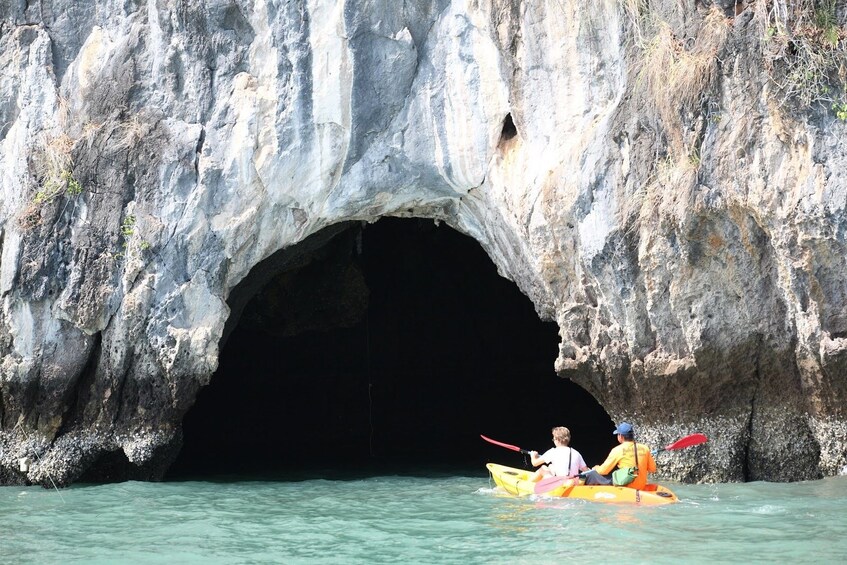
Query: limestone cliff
(667, 180)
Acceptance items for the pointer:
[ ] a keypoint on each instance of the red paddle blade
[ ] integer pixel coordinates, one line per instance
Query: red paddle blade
(549, 483)
(501, 444)
(688, 441)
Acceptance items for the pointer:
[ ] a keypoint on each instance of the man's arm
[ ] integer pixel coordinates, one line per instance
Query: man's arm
(651, 462)
(535, 459)
(611, 462)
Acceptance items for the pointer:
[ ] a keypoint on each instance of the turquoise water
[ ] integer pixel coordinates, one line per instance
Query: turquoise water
(409, 519)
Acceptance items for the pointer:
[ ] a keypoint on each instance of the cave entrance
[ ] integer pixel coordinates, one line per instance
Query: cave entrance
(385, 346)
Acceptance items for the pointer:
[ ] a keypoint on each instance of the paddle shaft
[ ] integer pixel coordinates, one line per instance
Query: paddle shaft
(550, 483)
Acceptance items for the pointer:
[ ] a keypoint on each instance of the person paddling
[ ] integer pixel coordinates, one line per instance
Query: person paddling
(558, 461)
(624, 457)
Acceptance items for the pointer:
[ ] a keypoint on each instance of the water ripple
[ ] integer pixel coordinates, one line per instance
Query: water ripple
(396, 519)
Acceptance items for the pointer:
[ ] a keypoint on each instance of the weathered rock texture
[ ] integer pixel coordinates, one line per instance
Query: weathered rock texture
(632, 166)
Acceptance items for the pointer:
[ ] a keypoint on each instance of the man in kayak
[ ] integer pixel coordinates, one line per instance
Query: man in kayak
(626, 455)
(558, 461)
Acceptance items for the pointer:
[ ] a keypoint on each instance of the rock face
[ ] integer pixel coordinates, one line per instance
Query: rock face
(648, 175)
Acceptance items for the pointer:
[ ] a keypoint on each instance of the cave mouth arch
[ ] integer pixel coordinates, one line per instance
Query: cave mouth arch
(388, 346)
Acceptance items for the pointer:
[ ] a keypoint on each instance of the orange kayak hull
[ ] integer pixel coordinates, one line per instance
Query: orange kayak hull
(518, 482)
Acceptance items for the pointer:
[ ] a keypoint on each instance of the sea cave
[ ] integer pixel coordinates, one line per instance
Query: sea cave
(384, 346)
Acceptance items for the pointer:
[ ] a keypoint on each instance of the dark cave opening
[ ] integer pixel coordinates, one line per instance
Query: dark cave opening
(389, 346)
(509, 130)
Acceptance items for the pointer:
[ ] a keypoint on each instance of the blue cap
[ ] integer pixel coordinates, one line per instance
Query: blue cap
(623, 429)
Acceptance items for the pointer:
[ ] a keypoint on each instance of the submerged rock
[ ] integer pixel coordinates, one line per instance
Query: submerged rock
(650, 179)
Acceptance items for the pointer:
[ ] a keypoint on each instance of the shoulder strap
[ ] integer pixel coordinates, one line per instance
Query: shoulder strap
(635, 449)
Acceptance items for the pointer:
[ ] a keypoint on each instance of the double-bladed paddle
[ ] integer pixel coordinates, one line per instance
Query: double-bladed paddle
(549, 483)
(682, 443)
(687, 441)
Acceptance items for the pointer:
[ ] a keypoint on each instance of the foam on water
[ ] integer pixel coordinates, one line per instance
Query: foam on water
(769, 509)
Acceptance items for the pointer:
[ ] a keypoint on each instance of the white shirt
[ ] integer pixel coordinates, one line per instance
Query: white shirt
(556, 459)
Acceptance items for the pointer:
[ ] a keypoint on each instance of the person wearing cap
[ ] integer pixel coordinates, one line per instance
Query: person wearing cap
(622, 456)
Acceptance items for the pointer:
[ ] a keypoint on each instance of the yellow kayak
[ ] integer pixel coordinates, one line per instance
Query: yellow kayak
(519, 483)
